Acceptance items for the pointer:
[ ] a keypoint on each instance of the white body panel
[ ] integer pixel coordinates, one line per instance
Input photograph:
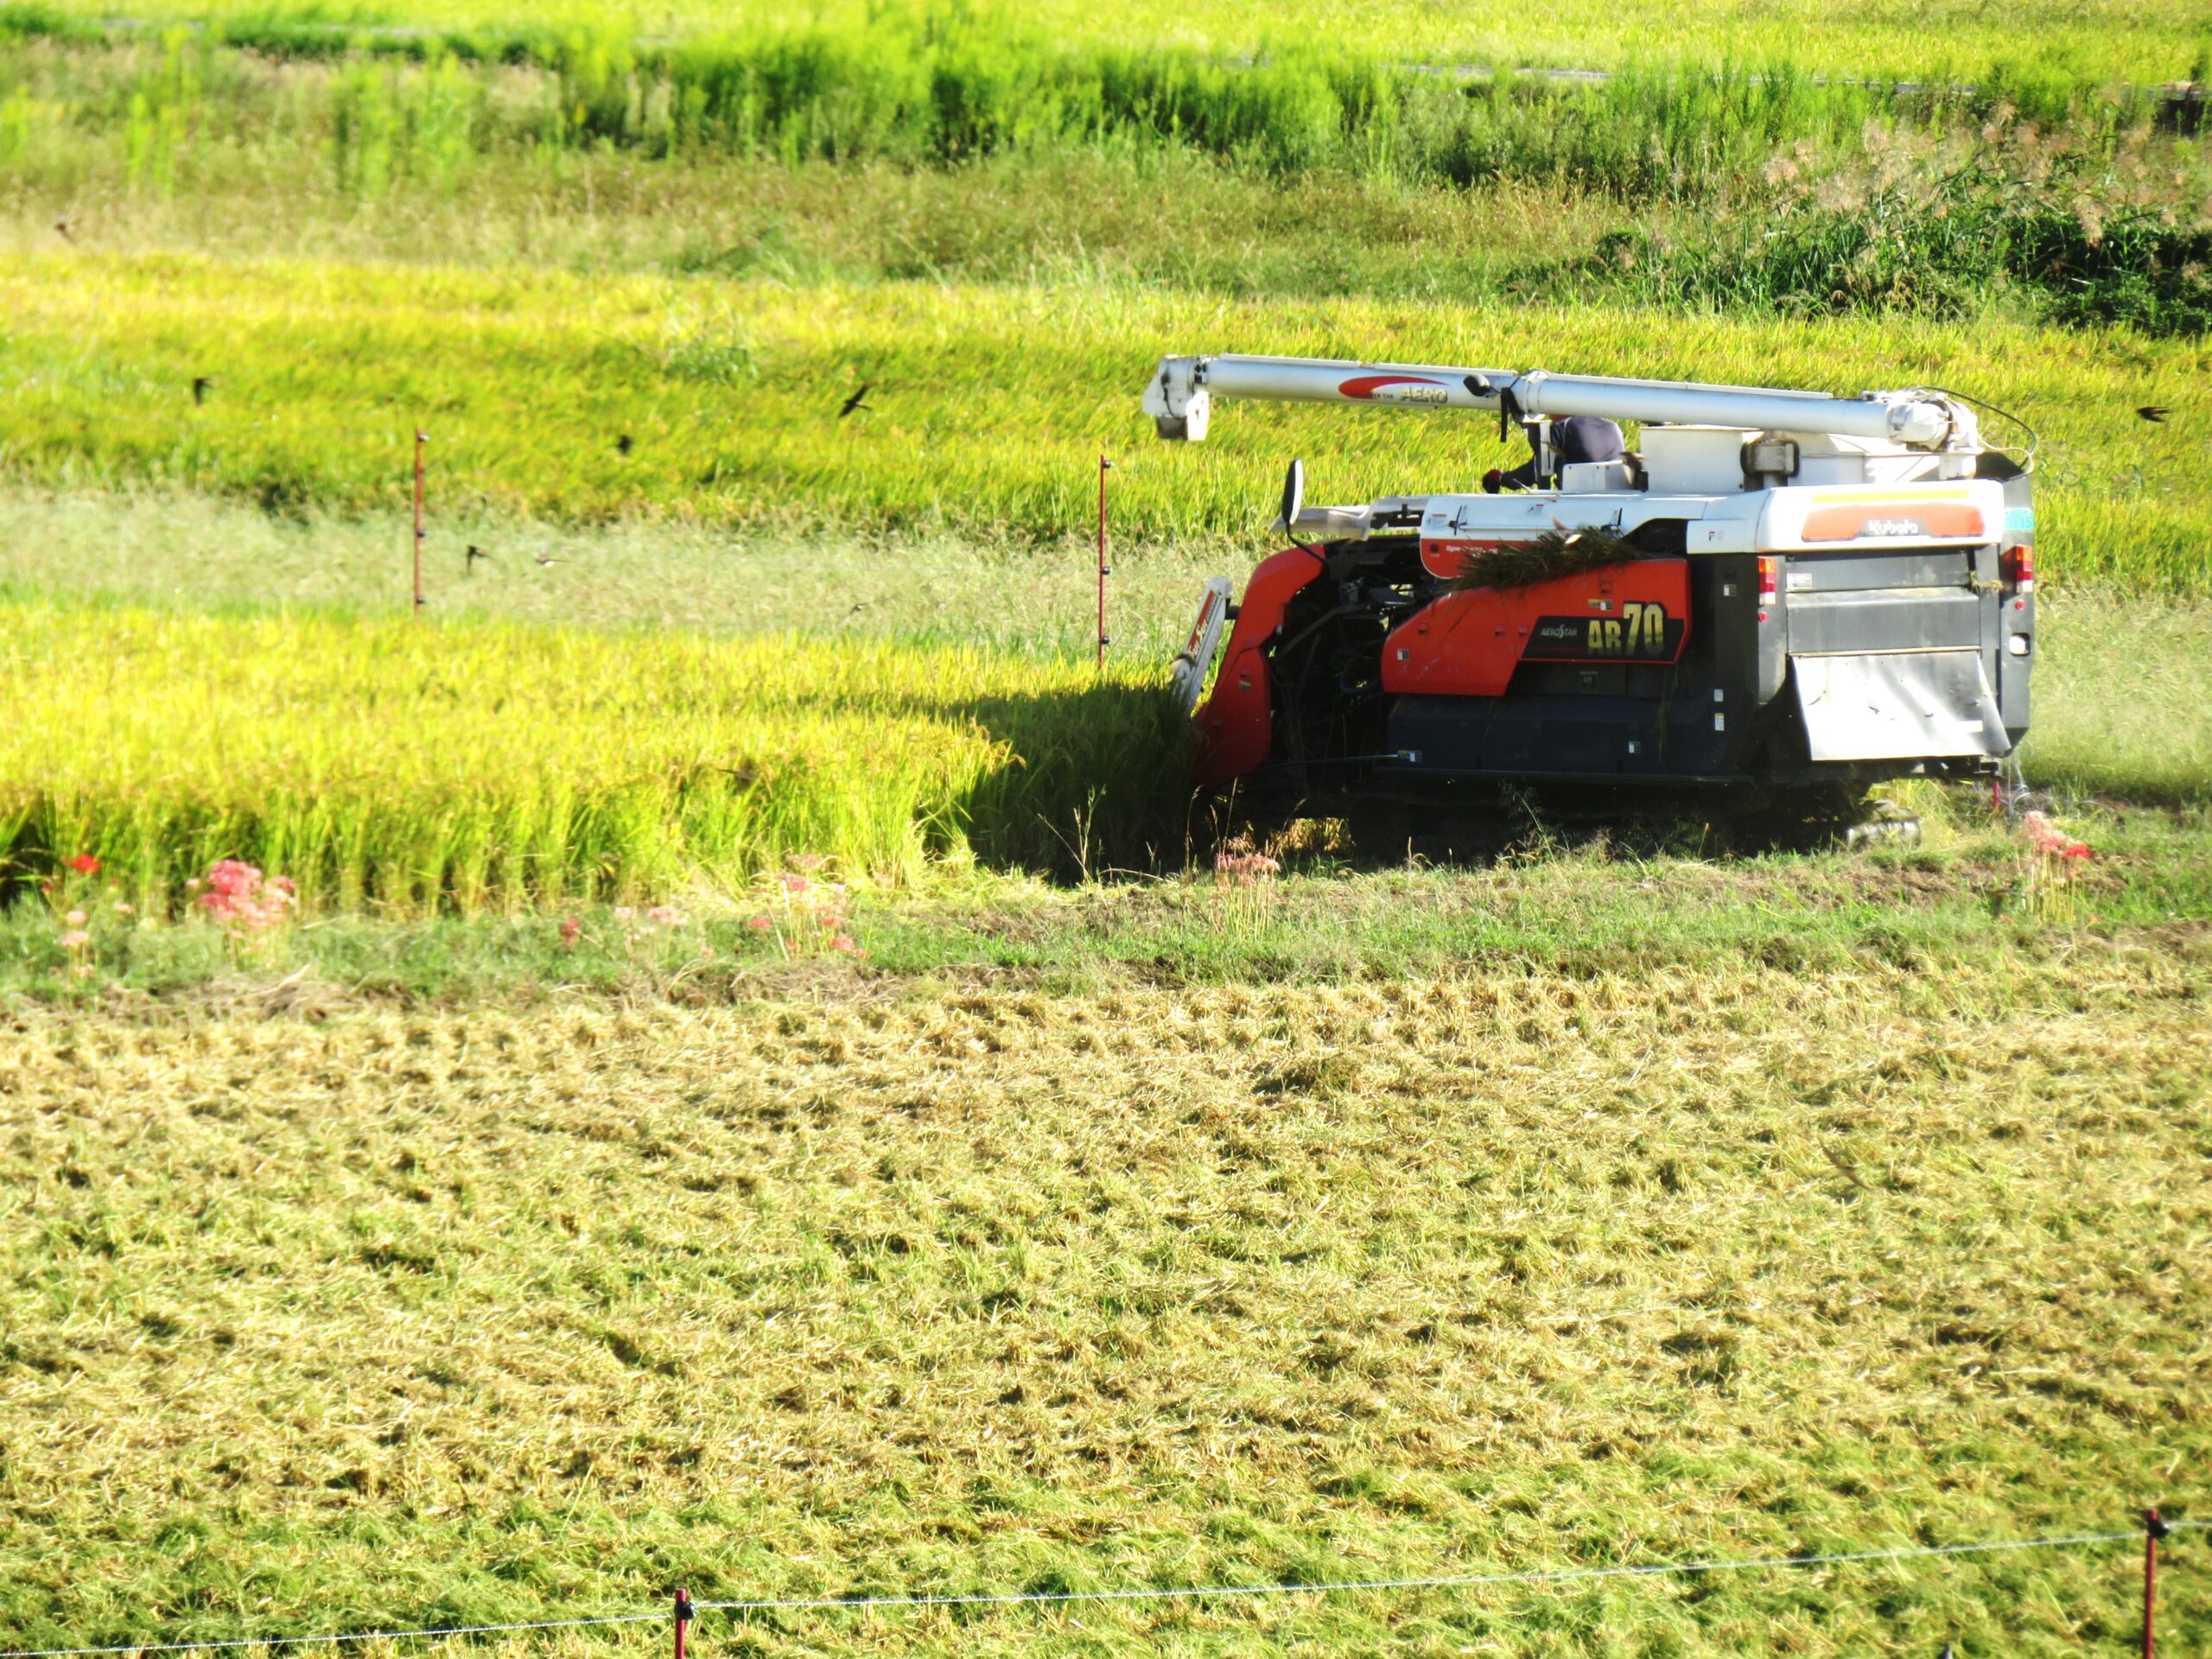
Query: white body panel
(1867, 516)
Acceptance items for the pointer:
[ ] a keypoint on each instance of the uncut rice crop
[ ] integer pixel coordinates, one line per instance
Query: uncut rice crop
(990, 404)
(414, 767)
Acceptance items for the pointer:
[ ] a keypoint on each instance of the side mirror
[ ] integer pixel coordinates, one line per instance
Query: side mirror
(1293, 496)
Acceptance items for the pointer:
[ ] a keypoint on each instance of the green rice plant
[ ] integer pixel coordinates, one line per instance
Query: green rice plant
(411, 768)
(991, 404)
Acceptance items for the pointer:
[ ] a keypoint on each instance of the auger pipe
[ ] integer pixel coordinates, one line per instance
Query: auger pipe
(1179, 393)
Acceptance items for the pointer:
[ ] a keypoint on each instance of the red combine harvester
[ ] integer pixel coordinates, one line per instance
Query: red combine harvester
(1781, 598)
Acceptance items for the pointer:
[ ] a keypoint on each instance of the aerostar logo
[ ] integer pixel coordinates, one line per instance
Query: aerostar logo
(1394, 389)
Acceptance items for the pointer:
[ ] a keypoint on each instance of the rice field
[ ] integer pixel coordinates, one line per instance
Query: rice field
(522, 1229)
(399, 769)
(991, 404)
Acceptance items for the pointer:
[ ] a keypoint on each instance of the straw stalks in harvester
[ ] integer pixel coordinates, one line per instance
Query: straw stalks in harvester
(1558, 552)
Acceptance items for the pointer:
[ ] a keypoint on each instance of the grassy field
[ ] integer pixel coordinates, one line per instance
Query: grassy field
(935, 1284)
(992, 403)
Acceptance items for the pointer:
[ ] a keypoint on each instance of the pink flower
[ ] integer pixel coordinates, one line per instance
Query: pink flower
(75, 918)
(76, 939)
(84, 864)
(759, 923)
(233, 877)
(844, 942)
(623, 912)
(666, 915)
(238, 897)
(571, 929)
(796, 884)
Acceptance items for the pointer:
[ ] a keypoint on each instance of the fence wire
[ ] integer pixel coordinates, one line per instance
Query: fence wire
(1170, 1592)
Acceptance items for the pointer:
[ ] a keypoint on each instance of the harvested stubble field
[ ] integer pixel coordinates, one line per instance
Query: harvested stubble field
(895, 1285)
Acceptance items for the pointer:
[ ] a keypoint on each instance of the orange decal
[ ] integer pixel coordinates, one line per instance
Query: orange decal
(1895, 521)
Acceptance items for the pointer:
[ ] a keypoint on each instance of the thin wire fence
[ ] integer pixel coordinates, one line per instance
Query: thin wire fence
(1152, 1593)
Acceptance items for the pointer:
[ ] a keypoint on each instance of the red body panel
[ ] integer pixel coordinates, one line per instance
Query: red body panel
(1237, 723)
(1468, 643)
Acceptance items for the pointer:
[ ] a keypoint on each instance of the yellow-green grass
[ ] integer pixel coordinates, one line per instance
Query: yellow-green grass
(890, 1288)
(2152, 42)
(407, 766)
(991, 404)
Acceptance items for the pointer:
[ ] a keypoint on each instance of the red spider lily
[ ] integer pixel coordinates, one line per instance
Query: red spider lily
(2047, 839)
(238, 897)
(84, 864)
(571, 931)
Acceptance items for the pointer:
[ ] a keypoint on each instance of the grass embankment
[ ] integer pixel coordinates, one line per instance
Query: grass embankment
(2043, 41)
(991, 404)
(395, 1319)
(1633, 902)
(402, 768)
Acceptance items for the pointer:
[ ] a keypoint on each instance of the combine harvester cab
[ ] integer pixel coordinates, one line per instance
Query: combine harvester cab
(1783, 597)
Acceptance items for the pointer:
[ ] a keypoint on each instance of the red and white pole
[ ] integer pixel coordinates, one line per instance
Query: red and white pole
(683, 1617)
(1105, 570)
(421, 439)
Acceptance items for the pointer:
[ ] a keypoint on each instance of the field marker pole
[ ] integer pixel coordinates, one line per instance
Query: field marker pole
(683, 1616)
(1105, 570)
(2153, 1529)
(420, 438)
